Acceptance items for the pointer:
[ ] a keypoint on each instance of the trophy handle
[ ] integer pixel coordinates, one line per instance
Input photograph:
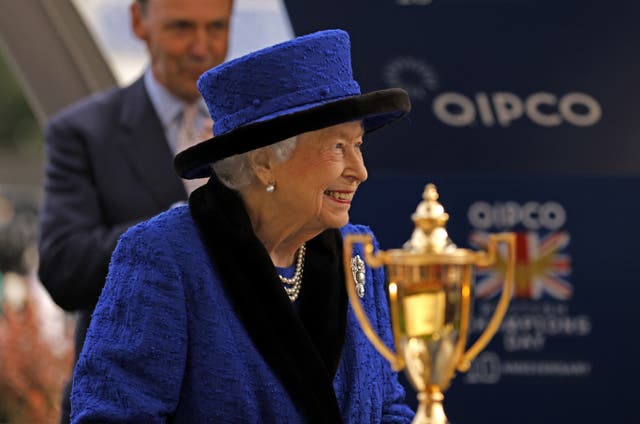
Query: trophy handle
(501, 308)
(375, 261)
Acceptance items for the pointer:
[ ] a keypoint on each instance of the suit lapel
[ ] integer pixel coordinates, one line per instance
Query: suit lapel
(145, 147)
(302, 349)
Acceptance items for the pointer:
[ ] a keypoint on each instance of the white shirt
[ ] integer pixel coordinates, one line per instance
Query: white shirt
(169, 109)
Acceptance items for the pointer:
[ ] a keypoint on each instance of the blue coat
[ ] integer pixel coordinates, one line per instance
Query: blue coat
(183, 331)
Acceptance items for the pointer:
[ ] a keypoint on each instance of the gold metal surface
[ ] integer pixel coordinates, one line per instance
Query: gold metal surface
(430, 294)
(424, 314)
(396, 362)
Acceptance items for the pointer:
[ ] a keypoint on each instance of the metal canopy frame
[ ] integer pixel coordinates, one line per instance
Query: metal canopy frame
(52, 54)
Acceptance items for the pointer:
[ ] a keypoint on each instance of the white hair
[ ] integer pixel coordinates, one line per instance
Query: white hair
(235, 171)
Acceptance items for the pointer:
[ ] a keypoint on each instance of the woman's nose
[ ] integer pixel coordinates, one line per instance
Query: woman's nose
(356, 167)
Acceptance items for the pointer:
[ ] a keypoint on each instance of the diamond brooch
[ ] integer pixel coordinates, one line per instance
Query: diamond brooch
(357, 267)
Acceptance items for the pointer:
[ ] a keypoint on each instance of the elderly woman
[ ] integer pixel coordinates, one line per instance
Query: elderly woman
(234, 309)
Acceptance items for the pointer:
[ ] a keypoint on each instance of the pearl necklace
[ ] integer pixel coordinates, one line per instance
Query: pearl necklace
(293, 284)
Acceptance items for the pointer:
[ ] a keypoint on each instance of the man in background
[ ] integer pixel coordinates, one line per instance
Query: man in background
(109, 158)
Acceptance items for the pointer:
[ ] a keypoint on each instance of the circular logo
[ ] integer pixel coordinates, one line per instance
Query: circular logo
(412, 74)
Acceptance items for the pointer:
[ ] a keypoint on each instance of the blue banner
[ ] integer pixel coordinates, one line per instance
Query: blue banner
(496, 85)
(524, 117)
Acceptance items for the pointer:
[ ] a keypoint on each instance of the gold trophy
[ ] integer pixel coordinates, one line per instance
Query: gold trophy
(430, 294)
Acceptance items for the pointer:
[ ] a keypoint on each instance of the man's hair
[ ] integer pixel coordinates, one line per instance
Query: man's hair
(144, 3)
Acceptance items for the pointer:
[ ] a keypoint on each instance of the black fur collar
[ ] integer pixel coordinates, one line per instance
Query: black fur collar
(302, 348)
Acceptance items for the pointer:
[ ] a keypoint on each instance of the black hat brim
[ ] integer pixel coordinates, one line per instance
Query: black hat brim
(375, 109)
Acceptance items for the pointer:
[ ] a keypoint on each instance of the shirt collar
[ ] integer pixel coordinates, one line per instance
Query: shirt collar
(167, 106)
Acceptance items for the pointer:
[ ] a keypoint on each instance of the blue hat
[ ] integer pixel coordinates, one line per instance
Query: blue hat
(301, 85)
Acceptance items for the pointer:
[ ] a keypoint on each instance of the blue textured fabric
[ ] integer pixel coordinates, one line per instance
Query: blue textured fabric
(298, 74)
(165, 344)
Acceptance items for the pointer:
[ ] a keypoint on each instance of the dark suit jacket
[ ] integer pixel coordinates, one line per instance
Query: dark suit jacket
(108, 166)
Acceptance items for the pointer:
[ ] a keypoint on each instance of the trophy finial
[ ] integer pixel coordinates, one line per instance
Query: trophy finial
(430, 235)
(430, 192)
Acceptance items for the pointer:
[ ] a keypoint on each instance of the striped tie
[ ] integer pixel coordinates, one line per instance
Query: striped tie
(193, 130)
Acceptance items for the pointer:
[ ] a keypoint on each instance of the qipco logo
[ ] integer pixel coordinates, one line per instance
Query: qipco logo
(506, 215)
(504, 108)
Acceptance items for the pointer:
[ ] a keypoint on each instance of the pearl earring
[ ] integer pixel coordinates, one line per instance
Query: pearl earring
(271, 187)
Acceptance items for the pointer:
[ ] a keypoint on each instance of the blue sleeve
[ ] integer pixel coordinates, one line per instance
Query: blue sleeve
(394, 409)
(131, 366)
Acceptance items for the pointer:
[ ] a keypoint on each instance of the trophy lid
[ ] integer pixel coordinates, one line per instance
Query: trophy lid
(430, 235)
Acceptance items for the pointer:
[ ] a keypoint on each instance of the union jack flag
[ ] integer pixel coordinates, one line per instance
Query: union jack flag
(540, 267)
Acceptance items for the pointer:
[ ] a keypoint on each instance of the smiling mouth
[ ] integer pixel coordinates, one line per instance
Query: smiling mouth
(341, 196)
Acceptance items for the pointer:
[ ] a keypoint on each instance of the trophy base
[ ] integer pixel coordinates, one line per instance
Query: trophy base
(430, 410)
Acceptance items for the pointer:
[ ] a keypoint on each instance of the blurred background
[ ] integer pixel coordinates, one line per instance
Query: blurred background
(524, 115)
(36, 336)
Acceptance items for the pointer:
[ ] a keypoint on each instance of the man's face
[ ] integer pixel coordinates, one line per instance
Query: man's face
(184, 39)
